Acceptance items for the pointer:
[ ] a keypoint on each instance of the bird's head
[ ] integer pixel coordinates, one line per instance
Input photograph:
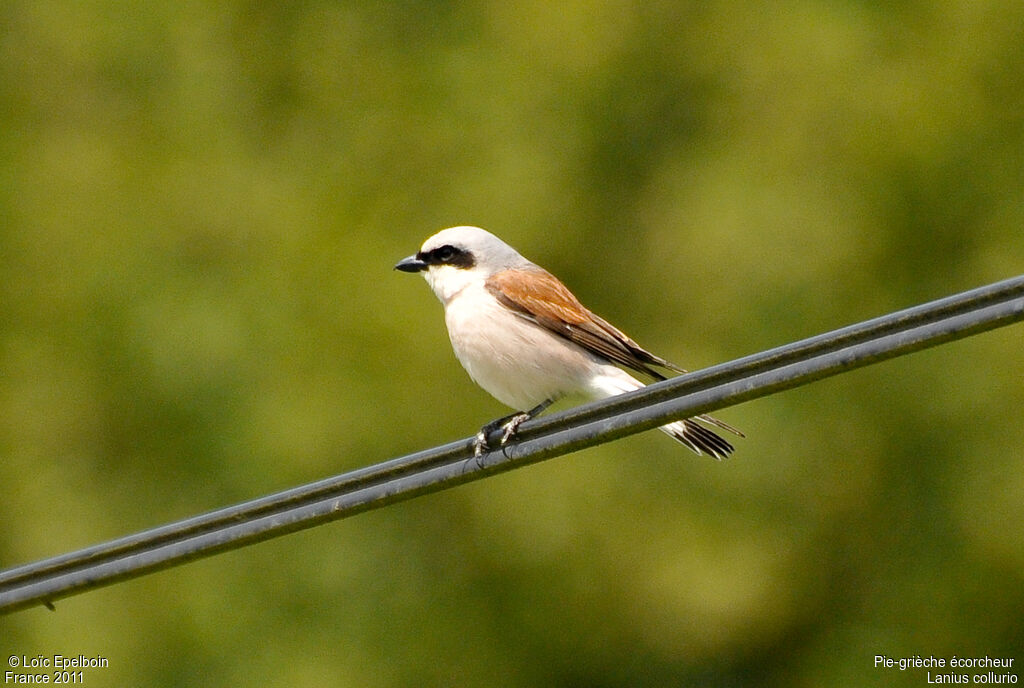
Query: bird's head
(458, 256)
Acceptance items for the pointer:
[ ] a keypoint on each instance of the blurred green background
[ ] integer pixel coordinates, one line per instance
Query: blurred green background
(200, 205)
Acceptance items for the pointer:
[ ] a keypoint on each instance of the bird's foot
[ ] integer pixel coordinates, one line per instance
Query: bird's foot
(508, 425)
(511, 427)
(480, 444)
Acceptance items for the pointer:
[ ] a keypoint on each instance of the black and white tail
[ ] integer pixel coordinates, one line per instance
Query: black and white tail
(689, 432)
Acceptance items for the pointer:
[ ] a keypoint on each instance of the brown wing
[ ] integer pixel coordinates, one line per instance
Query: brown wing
(538, 296)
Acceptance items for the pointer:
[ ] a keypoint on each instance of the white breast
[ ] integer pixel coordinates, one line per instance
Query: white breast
(519, 363)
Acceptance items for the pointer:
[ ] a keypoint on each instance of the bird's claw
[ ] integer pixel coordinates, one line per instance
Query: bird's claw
(508, 427)
(480, 444)
(512, 427)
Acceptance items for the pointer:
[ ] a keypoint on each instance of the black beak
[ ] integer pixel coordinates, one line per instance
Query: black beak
(411, 264)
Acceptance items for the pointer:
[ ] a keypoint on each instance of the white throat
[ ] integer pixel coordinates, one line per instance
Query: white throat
(447, 281)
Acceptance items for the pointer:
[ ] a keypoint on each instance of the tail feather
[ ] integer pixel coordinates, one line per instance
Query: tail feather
(698, 438)
(711, 420)
(688, 432)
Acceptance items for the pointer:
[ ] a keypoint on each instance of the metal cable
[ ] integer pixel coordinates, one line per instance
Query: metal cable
(435, 469)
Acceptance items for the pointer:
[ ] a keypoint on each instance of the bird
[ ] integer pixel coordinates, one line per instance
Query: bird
(528, 341)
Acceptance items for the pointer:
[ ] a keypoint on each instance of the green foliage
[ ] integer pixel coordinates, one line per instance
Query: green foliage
(200, 205)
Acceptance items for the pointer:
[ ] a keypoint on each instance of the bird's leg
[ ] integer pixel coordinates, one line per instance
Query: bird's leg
(509, 424)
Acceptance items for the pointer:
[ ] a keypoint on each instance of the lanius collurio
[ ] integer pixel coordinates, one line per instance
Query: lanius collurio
(523, 336)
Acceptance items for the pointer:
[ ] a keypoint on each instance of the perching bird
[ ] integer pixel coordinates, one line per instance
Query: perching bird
(523, 336)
